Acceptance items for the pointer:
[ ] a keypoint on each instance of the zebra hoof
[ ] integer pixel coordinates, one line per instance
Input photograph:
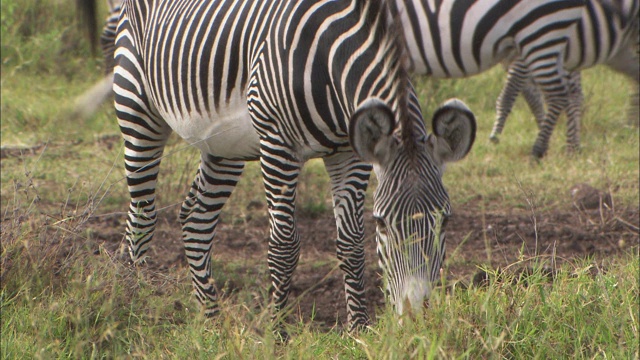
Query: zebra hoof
(539, 151)
(494, 139)
(537, 155)
(360, 325)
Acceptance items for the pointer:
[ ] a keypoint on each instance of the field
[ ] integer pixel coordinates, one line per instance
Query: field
(542, 258)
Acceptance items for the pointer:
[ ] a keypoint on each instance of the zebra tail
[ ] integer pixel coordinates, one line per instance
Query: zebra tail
(88, 103)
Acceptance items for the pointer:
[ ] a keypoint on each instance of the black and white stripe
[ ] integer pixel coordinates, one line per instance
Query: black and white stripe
(282, 82)
(607, 33)
(545, 39)
(459, 38)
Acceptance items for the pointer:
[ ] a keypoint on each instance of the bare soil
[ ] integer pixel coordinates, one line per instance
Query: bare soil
(474, 240)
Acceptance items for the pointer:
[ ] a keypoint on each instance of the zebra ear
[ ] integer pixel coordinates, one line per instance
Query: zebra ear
(454, 131)
(370, 131)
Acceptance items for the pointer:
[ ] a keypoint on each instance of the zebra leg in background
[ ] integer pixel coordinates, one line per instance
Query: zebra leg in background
(533, 96)
(626, 62)
(88, 103)
(108, 35)
(517, 75)
(634, 109)
(574, 111)
(199, 215)
(280, 171)
(551, 78)
(349, 179)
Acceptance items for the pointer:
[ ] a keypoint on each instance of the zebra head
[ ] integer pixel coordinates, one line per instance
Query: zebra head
(411, 205)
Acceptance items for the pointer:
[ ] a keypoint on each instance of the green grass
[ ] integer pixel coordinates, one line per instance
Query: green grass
(92, 306)
(63, 295)
(496, 173)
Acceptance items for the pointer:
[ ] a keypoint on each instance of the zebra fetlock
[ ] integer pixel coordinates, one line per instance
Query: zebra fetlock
(141, 223)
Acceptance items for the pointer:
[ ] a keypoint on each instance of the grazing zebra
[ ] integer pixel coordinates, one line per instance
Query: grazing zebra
(282, 82)
(459, 38)
(608, 33)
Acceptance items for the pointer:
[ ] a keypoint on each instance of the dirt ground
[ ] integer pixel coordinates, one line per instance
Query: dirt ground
(474, 239)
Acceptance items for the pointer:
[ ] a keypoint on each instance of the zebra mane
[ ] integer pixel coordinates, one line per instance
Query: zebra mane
(392, 35)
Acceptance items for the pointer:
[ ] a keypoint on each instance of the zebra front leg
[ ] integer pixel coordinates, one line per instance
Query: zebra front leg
(574, 111)
(145, 135)
(280, 171)
(516, 77)
(141, 165)
(199, 214)
(349, 179)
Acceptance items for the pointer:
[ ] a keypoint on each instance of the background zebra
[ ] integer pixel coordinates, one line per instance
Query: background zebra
(87, 103)
(282, 82)
(108, 35)
(607, 33)
(458, 38)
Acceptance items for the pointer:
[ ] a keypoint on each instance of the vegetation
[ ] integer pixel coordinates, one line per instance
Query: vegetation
(63, 294)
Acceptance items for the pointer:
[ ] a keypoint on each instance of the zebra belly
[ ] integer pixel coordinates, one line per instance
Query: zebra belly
(228, 133)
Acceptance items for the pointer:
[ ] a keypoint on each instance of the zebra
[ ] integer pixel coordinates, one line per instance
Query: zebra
(608, 33)
(282, 82)
(89, 102)
(108, 35)
(459, 38)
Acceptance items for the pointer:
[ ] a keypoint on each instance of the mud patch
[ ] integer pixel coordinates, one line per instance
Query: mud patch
(474, 240)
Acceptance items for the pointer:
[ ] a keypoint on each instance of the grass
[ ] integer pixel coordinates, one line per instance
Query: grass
(90, 305)
(63, 294)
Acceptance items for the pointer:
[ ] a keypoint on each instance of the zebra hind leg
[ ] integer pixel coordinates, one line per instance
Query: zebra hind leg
(626, 63)
(574, 111)
(516, 76)
(634, 109)
(199, 215)
(533, 96)
(349, 179)
(552, 80)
